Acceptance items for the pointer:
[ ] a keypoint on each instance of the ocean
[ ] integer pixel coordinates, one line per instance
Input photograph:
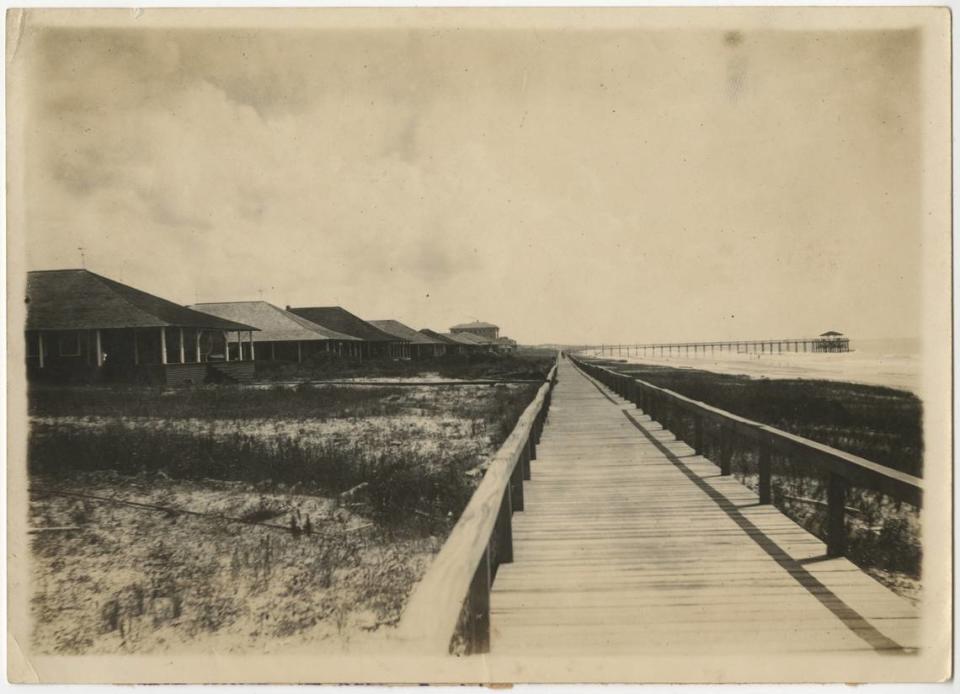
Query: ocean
(893, 362)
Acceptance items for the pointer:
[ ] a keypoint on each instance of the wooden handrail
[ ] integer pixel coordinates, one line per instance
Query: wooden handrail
(461, 574)
(842, 469)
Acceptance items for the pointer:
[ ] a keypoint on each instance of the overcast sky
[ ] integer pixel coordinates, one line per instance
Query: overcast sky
(569, 186)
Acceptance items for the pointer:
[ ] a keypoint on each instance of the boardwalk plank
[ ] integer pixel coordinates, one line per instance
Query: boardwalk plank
(622, 549)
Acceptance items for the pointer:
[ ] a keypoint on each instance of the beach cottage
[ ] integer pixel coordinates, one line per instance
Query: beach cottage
(281, 335)
(471, 343)
(418, 344)
(374, 343)
(84, 327)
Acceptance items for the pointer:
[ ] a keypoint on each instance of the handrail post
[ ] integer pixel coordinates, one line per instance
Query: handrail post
(726, 450)
(763, 473)
(836, 516)
(516, 486)
(698, 434)
(505, 529)
(524, 461)
(478, 608)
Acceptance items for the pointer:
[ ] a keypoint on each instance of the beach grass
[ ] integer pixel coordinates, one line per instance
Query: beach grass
(381, 473)
(880, 424)
(532, 365)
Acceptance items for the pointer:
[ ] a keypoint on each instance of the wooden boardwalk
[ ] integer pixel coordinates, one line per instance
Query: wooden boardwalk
(631, 544)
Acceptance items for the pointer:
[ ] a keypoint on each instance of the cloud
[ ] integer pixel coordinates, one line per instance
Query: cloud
(524, 178)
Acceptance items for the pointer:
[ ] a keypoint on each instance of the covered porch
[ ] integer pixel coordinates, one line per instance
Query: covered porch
(148, 355)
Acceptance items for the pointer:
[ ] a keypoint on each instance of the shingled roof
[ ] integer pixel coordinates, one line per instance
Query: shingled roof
(467, 339)
(407, 333)
(439, 337)
(84, 300)
(274, 324)
(474, 324)
(342, 321)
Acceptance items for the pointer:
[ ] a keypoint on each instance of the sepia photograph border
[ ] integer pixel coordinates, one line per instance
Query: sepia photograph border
(381, 664)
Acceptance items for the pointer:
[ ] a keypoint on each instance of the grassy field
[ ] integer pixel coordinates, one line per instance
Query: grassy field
(533, 364)
(881, 424)
(227, 517)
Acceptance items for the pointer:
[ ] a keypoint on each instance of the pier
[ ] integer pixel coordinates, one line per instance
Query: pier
(824, 343)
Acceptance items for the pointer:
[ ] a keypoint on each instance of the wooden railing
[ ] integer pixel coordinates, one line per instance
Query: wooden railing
(722, 431)
(451, 604)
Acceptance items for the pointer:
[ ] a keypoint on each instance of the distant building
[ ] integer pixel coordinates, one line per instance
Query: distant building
(84, 327)
(282, 335)
(507, 345)
(453, 346)
(375, 343)
(831, 341)
(419, 345)
(471, 342)
(488, 331)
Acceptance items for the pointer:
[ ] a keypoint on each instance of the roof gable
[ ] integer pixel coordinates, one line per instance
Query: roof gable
(274, 324)
(405, 332)
(440, 338)
(467, 339)
(84, 300)
(342, 321)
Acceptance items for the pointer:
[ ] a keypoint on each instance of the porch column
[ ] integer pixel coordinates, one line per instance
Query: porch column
(253, 354)
(136, 349)
(226, 346)
(40, 345)
(99, 350)
(197, 334)
(239, 346)
(183, 354)
(163, 345)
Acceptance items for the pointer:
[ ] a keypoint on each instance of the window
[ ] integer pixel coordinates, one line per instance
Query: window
(69, 345)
